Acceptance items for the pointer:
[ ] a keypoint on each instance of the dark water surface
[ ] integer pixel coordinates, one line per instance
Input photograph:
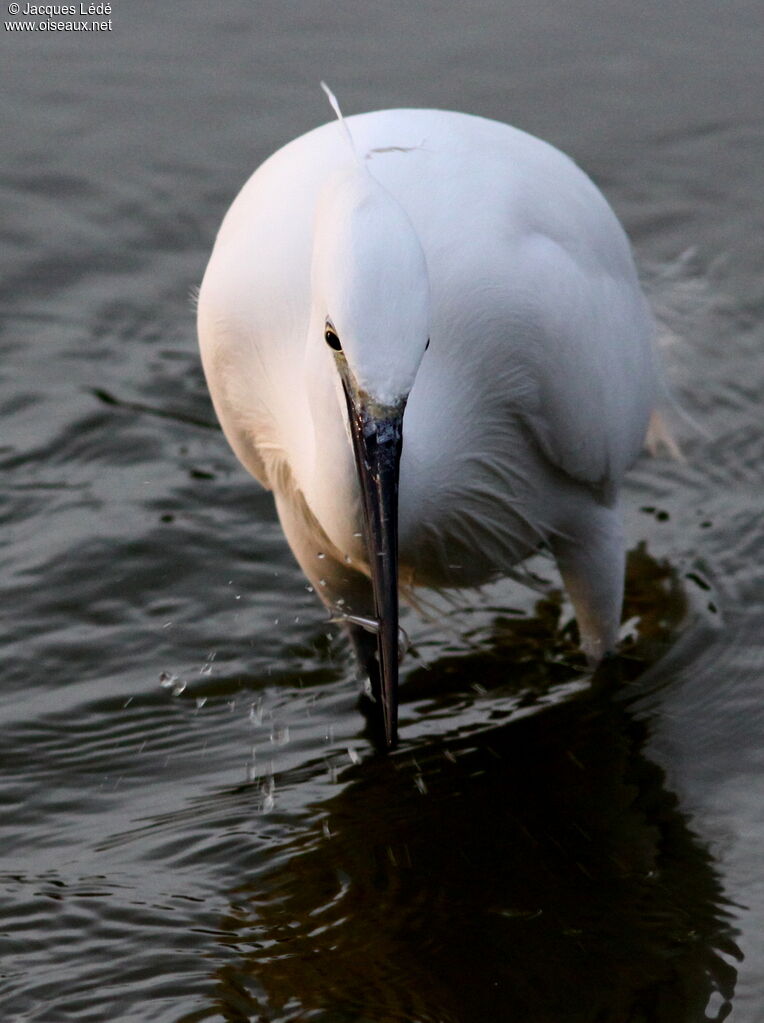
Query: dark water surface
(193, 825)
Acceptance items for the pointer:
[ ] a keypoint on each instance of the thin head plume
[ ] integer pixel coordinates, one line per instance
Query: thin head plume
(343, 123)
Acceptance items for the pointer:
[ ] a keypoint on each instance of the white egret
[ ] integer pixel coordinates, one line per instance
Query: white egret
(471, 275)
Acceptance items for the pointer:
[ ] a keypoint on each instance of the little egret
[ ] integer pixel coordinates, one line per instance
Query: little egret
(471, 276)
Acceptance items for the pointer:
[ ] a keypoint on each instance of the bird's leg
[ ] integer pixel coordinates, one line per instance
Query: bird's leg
(346, 593)
(364, 644)
(591, 559)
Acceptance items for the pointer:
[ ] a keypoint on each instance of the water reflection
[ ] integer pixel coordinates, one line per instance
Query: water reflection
(539, 872)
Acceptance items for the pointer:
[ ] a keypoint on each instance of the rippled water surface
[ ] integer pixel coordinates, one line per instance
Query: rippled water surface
(194, 826)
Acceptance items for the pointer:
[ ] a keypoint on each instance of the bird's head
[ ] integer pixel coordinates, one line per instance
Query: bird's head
(371, 302)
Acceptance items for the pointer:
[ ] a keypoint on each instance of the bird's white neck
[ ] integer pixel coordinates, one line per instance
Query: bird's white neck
(327, 474)
(369, 282)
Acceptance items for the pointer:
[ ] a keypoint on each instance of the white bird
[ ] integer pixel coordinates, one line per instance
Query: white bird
(472, 276)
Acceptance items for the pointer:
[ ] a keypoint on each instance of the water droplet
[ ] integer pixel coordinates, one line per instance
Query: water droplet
(179, 687)
(715, 1005)
(322, 582)
(269, 791)
(421, 784)
(354, 758)
(256, 712)
(326, 830)
(280, 734)
(348, 559)
(310, 589)
(403, 643)
(320, 555)
(200, 702)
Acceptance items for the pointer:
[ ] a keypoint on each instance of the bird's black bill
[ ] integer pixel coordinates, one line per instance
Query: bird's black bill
(377, 442)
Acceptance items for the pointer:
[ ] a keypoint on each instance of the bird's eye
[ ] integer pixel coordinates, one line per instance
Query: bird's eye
(332, 340)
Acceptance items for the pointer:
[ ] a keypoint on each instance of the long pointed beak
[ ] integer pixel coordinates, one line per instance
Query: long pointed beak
(377, 442)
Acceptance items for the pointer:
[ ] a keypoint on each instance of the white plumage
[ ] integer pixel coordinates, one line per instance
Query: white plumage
(521, 416)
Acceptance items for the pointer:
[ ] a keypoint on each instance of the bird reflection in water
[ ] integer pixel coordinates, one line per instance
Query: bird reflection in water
(539, 871)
